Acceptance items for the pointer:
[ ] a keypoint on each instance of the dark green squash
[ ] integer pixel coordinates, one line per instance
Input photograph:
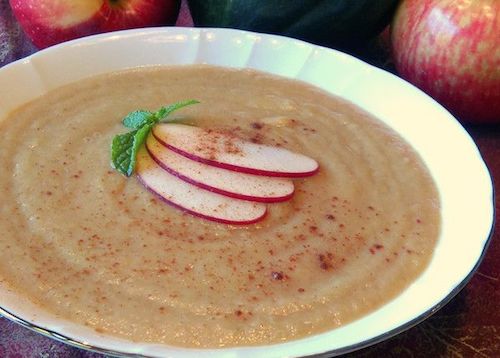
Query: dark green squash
(343, 24)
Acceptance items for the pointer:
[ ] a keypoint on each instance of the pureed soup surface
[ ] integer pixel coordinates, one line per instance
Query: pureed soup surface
(94, 247)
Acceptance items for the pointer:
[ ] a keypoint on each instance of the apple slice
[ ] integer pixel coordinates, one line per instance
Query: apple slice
(195, 200)
(222, 181)
(226, 151)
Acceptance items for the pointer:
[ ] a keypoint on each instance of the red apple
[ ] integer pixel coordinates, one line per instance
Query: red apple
(451, 50)
(48, 22)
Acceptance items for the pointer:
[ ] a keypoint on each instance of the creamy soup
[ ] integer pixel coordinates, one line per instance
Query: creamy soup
(90, 245)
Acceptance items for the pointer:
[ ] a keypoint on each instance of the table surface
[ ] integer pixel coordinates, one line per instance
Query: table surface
(468, 326)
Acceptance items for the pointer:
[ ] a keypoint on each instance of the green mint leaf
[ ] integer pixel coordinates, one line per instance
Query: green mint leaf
(165, 111)
(125, 147)
(137, 119)
(139, 138)
(121, 150)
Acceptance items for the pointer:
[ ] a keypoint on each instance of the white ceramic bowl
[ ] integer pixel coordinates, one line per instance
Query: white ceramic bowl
(462, 178)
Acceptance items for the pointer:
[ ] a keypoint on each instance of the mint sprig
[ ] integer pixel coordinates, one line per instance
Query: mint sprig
(125, 146)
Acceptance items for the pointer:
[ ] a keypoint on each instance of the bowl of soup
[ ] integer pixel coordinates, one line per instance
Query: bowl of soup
(387, 230)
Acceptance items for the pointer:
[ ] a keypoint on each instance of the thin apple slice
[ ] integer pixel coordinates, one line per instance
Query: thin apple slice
(195, 200)
(226, 151)
(222, 181)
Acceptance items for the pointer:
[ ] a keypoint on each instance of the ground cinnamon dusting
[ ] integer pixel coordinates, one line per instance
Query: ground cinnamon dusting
(218, 284)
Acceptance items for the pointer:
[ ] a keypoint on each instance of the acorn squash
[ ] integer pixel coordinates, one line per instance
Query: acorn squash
(343, 24)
